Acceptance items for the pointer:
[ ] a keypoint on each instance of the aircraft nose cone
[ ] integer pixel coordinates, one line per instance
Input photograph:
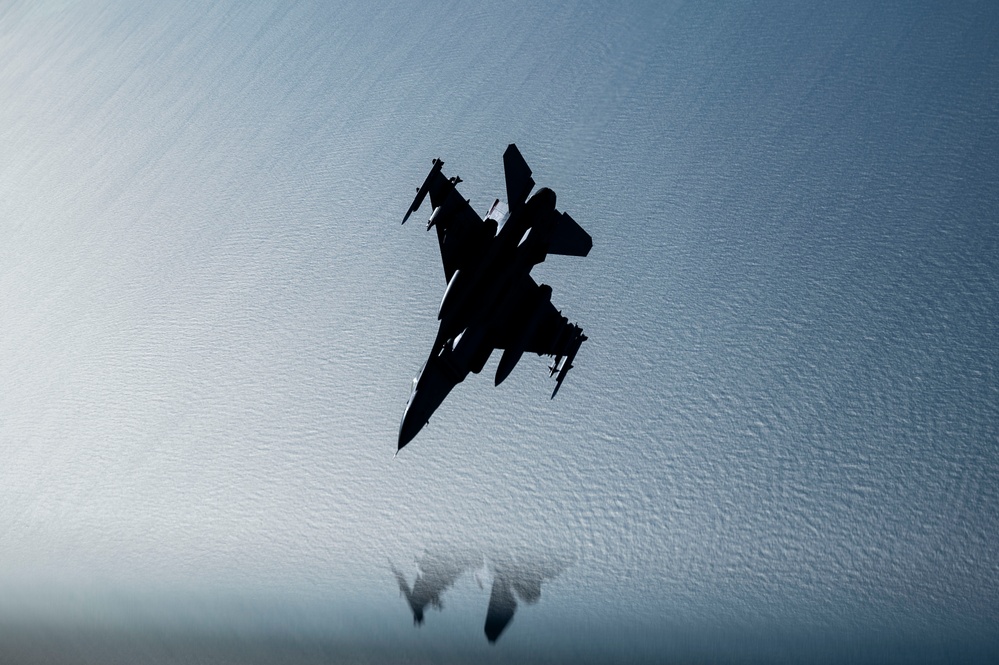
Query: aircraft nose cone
(409, 428)
(430, 388)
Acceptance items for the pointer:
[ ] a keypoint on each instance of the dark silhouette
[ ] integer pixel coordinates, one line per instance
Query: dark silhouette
(491, 300)
(437, 573)
(513, 580)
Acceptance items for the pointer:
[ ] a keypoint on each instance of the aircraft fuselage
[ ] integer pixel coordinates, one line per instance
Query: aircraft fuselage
(490, 300)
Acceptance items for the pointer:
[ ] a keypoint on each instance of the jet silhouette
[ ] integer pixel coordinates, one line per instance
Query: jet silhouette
(513, 580)
(437, 573)
(510, 582)
(491, 301)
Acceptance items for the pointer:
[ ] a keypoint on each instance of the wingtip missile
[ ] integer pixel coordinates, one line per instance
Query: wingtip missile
(421, 192)
(568, 358)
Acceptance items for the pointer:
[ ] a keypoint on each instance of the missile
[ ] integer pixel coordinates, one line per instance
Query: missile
(570, 354)
(421, 192)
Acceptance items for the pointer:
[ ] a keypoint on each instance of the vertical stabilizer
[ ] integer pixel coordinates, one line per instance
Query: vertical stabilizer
(519, 182)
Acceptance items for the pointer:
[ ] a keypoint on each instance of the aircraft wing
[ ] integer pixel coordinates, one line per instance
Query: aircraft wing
(536, 327)
(458, 226)
(461, 228)
(552, 334)
(535, 324)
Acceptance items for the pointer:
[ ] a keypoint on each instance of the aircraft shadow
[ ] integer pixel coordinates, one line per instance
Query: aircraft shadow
(516, 579)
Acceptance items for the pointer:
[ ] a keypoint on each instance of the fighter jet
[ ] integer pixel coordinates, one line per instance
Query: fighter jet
(491, 301)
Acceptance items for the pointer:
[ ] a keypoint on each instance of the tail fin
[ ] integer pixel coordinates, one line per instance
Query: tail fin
(519, 182)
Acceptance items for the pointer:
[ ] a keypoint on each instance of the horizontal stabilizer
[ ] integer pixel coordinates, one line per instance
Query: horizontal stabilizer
(569, 238)
(519, 182)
